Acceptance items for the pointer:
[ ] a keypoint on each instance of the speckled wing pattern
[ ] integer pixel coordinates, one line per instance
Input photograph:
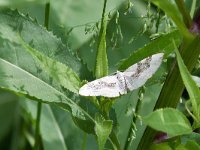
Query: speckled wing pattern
(122, 82)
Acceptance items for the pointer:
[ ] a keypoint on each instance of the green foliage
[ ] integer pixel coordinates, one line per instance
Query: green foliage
(192, 89)
(103, 129)
(59, 72)
(22, 74)
(172, 11)
(163, 146)
(4, 3)
(49, 123)
(79, 16)
(35, 64)
(102, 61)
(162, 44)
(170, 121)
(192, 145)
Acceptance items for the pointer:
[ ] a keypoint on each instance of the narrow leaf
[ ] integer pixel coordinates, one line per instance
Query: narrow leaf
(103, 129)
(168, 120)
(101, 59)
(190, 85)
(196, 80)
(172, 11)
(51, 140)
(161, 44)
(54, 139)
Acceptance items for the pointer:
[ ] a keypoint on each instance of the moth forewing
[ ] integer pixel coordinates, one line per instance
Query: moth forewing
(136, 78)
(132, 78)
(144, 64)
(108, 86)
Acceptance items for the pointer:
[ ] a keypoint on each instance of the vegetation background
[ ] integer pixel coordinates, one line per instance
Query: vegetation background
(74, 27)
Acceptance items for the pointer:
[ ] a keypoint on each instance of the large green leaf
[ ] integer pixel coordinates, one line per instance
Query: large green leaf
(169, 120)
(21, 73)
(22, 82)
(12, 24)
(162, 44)
(59, 72)
(19, 70)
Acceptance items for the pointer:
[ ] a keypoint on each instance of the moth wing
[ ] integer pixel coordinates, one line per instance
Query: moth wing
(135, 79)
(156, 58)
(108, 86)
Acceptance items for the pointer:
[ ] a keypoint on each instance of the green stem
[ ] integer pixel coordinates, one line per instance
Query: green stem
(132, 128)
(37, 128)
(114, 141)
(39, 106)
(84, 141)
(102, 17)
(186, 16)
(47, 10)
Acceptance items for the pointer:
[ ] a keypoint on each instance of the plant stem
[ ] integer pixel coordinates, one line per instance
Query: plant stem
(103, 16)
(37, 128)
(186, 16)
(47, 10)
(114, 141)
(132, 128)
(39, 106)
(84, 140)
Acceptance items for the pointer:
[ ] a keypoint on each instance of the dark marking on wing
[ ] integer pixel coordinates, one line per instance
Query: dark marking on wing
(101, 84)
(142, 66)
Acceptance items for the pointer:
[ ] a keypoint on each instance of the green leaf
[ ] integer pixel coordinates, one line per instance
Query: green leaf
(8, 116)
(101, 59)
(191, 87)
(14, 24)
(59, 72)
(162, 44)
(6, 3)
(168, 120)
(54, 139)
(162, 146)
(51, 140)
(192, 145)
(172, 11)
(22, 74)
(196, 80)
(193, 136)
(181, 147)
(103, 129)
(20, 81)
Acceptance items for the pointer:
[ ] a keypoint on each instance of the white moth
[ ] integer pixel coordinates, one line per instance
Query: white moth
(122, 82)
